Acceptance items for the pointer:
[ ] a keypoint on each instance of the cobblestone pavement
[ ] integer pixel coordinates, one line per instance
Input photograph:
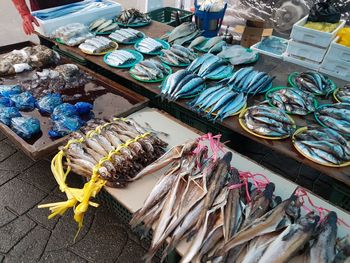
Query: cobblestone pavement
(26, 235)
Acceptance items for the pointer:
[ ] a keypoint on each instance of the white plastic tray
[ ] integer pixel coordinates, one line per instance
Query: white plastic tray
(306, 51)
(302, 62)
(48, 26)
(256, 48)
(336, 68)
(339, 52)
(311, 36)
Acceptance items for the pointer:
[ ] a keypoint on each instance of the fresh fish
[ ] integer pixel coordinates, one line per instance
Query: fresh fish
(104, 25)
(237, 54)
(132, 16)
(95, 24)
(197, 63)
(181, 31)
(149, 45)
(217, 47)
(343, 247)
(197, 41)
(211, 43)
(314, 82)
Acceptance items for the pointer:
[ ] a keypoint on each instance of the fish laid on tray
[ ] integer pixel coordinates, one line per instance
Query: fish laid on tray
(149, 45)
(323, 145)
(250, 81)
(126, 35)
(314, 82)
(219, 102)
(97, 45)
(181, 84)
(268, 121)
(150, 70)
(237, 54)
(209, 66)
(178, 55)
(335, 116)
(343, 94)
(201, 199)
(293, 100)
(182, 33)
(211, 45)
(103, 25)
(133, 16)
(120, 57)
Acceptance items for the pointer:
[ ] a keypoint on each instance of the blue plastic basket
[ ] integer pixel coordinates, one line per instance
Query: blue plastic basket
(209, 22)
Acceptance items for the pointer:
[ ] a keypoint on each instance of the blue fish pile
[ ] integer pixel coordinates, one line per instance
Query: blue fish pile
(268, 121)
(249, 81)
(323, 145)
(335, 116)
(220, 102)
(343, 94)
(210, 66)
(181, 84)
(314, 82)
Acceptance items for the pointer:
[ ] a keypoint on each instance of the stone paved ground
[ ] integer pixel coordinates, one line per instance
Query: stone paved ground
(26, 235)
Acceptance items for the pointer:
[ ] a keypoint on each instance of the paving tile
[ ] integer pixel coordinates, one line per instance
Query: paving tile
(39, 215)
(6, 175)
(132, 253)
(17, 162)
(5, 216)
(40, 175)
(62, 256)
(20, 196)
(30, 248)
(13, 232)
(7, 141)
(6, 150)
(63, 234)
(96, 245)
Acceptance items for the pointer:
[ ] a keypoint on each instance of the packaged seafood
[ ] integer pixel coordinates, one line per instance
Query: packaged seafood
(150, 70)
(7, 90)
(126, 36)
(123, 58)
(103, 26)
(267, 122)
(181, 84)
(25, 127)
(237, 54)
(182, 34)
(151, 46)
(342, 94)
(335, 116)
(97, 45)
(6, 102)
(324, 146)
(48, 103)
(133, 17)
(24, 101)
(178, 56)
(72, 34)
(292, 100)
(27, 58)
(7, 113)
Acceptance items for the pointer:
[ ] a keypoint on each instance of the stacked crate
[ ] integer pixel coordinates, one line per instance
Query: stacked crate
(308, 47)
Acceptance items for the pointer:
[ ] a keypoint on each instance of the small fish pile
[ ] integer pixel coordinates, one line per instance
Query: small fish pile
(343, 94)
(209, 66)
(211, 45)
(150, 69)
(103, 25)
(120, 57)
(293, 101)
(335, 116)
(27, 58)
(323, 145)
(219, 101)
(97, 45)
(149, 45)
(314, 82)
(237, 54)
(250, 81)
(268, 121)
(72, 34)
(126, 35)
(181, 84)
(123, 166)
(182, 33)
(178, 55)
(133, 16)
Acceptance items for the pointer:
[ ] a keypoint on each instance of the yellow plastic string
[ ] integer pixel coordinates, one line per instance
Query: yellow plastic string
(79, 199)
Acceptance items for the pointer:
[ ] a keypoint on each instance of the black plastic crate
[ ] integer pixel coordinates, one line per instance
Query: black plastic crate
(167, 15)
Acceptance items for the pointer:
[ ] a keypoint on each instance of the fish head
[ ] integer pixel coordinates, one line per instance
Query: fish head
(292, 207)
(269, 189)
(343, 244)
(309, 221)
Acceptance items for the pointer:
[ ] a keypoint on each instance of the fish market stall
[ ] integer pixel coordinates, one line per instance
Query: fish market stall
(106, 97)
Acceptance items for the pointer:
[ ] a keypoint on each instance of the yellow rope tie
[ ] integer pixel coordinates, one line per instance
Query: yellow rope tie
(79, 199)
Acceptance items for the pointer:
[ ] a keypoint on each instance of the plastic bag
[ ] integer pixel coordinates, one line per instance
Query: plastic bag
(6, 102)
(24, 101)
(324, 12)
(83, 107)
(7, 90)
(48, 103)
(7, 113)
(64, 125)
(344, 36)
(25, 127)
(66, 109)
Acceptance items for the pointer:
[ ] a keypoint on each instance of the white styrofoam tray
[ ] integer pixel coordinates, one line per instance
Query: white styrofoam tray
(336, 68)
(256, 48)
(306, 51)
(311, 36)
(46, 27)
(135, 194)
(302, 62)
(338, 51)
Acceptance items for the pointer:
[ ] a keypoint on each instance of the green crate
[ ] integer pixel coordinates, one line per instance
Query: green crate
(167, 15)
